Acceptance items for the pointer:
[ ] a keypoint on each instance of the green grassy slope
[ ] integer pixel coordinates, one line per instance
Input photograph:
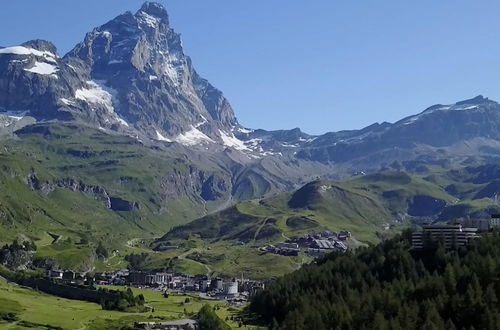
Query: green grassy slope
(370, 206)
(35, 310)
(51, 177)
(36, 200)
(362, 205)
(359, 204)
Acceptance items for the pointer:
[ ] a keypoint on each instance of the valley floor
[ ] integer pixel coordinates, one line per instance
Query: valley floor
(36, 310)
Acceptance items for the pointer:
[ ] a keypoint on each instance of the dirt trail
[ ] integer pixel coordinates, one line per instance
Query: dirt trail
(183, 257)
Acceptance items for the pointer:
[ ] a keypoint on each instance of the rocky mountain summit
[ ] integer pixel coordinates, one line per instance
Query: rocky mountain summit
(139, 58)
(130, 74)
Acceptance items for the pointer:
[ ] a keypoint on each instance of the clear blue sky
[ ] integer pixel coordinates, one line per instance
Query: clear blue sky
(321, 65)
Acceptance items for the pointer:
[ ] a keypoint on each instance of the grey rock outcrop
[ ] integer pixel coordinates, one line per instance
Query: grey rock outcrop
(130, 74)
(97, 192)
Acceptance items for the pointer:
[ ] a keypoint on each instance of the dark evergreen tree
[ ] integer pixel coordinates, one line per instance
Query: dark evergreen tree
(390, 286)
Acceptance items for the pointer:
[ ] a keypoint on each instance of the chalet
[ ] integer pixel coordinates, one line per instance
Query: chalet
(344, 235)
(57, 274)
(69, 275)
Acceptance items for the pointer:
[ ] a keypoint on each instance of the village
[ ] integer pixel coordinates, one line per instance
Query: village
(235, 291)
(314, 245)
(239, 291)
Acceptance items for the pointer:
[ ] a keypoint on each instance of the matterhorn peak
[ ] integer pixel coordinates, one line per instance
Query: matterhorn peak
(130, 73)
(155, 10)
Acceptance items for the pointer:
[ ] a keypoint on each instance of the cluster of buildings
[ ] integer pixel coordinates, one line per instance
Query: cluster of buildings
(186, 324)
(318, 244)
(314, 244)
(71, 277)
(483, 225)
(238, 291)
(453, 235)
(285, 249)
(68, 276)
(163, 281)
(233, 290)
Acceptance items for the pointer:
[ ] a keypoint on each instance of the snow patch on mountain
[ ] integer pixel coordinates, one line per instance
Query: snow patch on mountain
(21, 50)
(160, 137)
(16, 115)
(454, 107)
(254, 142)
(95, 94)
(20, 61)
(307, 140)
(245, 130)
(288, 145)
(147, 19)
(122, 121)
(67, 102)
(202, 122)
(193, 137)
(44, 69)
(230, 140)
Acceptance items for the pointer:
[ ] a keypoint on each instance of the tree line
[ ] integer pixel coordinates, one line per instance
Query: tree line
(123, 301)
(390, 286)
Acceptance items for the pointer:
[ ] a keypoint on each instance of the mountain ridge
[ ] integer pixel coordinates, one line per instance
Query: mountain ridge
(130, 75)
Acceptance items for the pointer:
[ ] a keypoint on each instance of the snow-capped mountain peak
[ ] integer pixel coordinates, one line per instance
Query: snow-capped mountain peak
(475, 103)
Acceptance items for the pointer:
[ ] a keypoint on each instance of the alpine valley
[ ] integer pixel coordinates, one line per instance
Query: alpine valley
(120, 144)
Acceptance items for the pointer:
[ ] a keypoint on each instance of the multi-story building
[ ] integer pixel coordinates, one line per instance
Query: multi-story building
(482, 225)
(448, 235)
(143, 278)
(231, 288)
(495, 221)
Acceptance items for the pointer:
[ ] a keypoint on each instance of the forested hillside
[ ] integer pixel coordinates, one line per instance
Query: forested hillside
(388, 286)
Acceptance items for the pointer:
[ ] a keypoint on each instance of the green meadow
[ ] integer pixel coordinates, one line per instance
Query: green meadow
(36, 310)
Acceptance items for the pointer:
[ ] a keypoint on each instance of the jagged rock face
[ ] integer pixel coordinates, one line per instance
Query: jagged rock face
(130, 74)
(97, 192)
(30, 79)
(208, 186)
(141, 57)
(36, 82)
